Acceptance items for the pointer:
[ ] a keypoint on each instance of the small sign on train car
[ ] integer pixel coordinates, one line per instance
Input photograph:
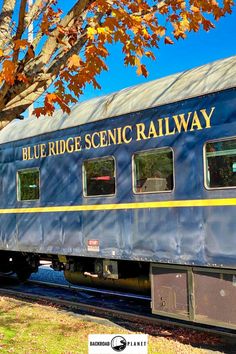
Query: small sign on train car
(93, 246)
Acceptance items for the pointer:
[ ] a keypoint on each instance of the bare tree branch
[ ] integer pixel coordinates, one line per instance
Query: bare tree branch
(37, 8)
(20, 27)
(51, 44)
(21, 18)
(5, 20)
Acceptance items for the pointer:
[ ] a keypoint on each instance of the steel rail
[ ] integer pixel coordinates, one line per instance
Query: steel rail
(81, 288)
(130, 316)
(92, 290)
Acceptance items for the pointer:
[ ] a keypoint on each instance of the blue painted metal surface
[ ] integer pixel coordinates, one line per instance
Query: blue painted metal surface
(183, 235)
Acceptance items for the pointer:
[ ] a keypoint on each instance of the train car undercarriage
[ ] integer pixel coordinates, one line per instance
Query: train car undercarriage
(184, 292)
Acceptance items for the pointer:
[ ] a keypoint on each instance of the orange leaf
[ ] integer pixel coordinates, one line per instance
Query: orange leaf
(149, 54)
(8, 72)
(74, 61)
(38, 111)
(51, 97)
(141, 70)
(195, 9)
(20, 44)
(168, 40)
(22, 77)
(160, 31)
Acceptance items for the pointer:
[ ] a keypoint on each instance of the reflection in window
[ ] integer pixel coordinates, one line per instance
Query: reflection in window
(153, 171)
(99, 177)
(221, 164)
(28, 184)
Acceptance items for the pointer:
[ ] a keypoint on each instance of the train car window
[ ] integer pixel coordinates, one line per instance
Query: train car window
(153, 171)
(220, 157)
(99, 177)
(28, 184)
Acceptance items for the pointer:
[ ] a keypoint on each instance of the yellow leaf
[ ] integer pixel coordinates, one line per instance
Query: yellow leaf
(184, 23)
(103, 30)
(91, 31)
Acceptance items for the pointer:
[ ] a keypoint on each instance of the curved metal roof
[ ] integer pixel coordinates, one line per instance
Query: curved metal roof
(213, 77)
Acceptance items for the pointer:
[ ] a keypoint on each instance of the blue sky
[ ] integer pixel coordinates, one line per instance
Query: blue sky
(197, 49)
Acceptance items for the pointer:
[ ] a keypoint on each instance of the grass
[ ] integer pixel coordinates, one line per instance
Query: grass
(27, 328)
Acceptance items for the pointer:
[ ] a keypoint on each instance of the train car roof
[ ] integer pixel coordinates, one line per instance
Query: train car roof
(217, 76)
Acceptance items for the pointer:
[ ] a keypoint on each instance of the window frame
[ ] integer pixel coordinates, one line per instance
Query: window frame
(134, 170)
(18, 184)
(84, 184)
(205, 163)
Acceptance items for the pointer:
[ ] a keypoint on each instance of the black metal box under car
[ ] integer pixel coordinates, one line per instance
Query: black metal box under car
(170, 291)
(215, 295)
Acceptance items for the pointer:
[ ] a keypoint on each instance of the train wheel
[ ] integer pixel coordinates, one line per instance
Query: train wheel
(23, 275)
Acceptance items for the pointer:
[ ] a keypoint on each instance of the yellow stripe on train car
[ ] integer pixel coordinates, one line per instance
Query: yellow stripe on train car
(120, 206)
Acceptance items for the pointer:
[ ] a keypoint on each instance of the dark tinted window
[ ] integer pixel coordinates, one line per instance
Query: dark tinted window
(99, 177)
(153, 171)
(221, 164)
(28, 184)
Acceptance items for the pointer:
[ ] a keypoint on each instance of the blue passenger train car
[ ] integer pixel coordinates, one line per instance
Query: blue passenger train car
(136, 189)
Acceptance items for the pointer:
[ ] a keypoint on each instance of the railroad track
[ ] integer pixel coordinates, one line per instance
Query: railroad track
(84, 300)
(92, 290)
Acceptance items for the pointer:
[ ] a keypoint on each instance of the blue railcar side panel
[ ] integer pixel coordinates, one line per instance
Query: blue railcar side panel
(8, 232)
(220, 240)
(29, 231)
(184, 235)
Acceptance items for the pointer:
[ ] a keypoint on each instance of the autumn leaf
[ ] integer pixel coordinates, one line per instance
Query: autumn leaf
(149, 54)
(129, 60)
(91, 32)
(168, 40)
(20, 44)
(184, 23)
(38, 111)
(96, 84)
(8, 72)
(22, 77)
(111, 23)
(207, 25)
(194, 8)
(141, 70)
(160, 31)
(74, 61)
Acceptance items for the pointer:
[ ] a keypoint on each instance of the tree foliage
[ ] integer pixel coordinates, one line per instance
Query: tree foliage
(69, 50)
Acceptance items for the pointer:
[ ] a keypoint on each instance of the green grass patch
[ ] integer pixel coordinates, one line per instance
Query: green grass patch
(27, 328)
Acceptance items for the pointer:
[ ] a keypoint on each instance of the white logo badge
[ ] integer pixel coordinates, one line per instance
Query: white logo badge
(116, 343)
